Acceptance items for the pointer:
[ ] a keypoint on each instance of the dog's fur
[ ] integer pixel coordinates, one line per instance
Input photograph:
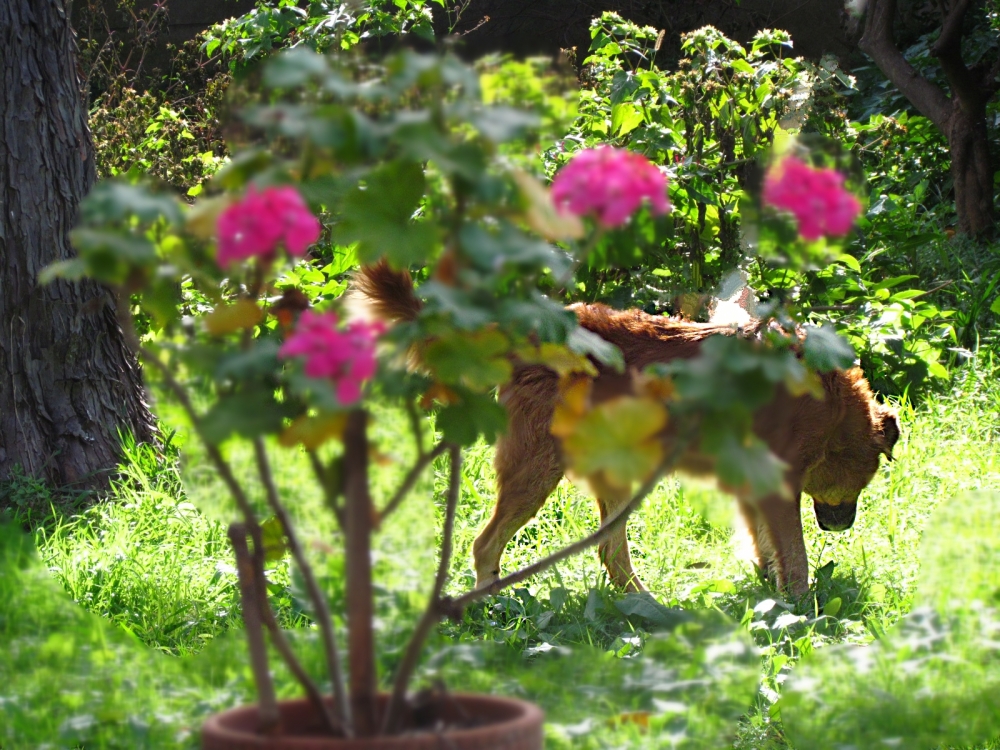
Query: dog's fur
(830, 446)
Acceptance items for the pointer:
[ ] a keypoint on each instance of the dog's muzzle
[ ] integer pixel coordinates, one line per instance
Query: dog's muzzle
(838, 517)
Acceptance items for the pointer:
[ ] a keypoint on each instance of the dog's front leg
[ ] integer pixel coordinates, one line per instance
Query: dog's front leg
(776, 526)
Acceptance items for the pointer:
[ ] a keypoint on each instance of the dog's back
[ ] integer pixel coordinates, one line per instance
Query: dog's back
(830, 446)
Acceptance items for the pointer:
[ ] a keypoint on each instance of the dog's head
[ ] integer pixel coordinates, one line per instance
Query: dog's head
(867, 431)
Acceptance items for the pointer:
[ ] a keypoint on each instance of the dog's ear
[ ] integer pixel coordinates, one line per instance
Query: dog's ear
(888, 432)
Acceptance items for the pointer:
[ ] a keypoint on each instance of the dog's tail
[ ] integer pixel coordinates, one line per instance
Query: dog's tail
(388, 292)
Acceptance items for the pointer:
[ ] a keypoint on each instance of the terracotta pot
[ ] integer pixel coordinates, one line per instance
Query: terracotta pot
(482, 722)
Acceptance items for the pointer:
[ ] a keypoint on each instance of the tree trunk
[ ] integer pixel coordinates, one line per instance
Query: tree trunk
(971, 170)
(67, 382)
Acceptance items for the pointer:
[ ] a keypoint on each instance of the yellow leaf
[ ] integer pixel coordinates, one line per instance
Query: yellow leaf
(805, 383)
(440, 393)
(204, 215)
(639, 718)
(620, 438)
(243, 313)
(558, 358)
(653, 386)
(312, 432)
(574, 391)
(378, 458)
(542, 215)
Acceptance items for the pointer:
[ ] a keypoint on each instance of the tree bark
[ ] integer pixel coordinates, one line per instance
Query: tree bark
(971, 171)
(961, 117)
(67, 382)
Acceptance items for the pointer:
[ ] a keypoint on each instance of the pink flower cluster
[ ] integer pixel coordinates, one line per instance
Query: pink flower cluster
(256, 225)
(816, 197)
(611, 183)
(347, 357)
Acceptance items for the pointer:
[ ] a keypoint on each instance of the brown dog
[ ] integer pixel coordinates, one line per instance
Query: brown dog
(831, 446)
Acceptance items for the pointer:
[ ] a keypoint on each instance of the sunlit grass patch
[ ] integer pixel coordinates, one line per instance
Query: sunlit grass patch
(154, 559)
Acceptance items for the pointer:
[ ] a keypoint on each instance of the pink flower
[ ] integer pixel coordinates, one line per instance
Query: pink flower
(257, 224)
(347, 357)
(816, 197)
(611, 183)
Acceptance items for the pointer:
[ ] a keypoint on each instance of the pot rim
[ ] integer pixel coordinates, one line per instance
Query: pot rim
(527, 714)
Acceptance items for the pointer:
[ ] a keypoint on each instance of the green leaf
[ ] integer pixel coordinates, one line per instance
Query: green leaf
(249, 413)
(111, 256)
(113, 201)
(995, 307)
(477, 414)
(539, 316)
(502, 124)
(582, 341)
(261, 359)
(72, 269)
(477, 360)
(378, 216)
(273, 538)
(617, 438)
(510, 249)
(643, 604)
(826, 350)
(294, 67)
(850, 261)
(625, 118)
(623, 86)
(744, 463)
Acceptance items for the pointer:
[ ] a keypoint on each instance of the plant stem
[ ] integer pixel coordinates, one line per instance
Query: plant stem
(432, 614)
(360, 607)
(411, 478)
(330, 490)
(454, 606)
(243, 503)
(320, 606)
(268, 717)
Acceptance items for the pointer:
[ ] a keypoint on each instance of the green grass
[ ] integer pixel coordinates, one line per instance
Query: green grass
(154, 562)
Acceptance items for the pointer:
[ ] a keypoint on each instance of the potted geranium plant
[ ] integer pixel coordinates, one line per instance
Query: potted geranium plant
(401, 161)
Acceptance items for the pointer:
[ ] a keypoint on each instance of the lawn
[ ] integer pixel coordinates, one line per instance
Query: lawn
(161, 651)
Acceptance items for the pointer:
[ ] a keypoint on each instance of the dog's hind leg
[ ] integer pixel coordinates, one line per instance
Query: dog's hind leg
(614, 551)
(528, 467)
